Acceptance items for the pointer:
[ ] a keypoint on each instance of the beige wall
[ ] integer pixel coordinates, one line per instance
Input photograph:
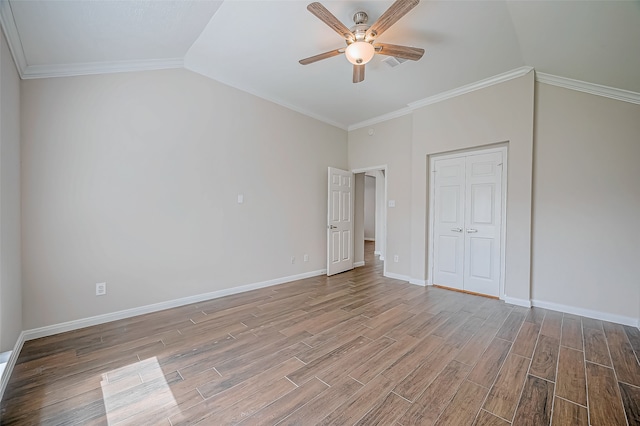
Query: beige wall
(10, 256)
(586, 238)
(390, 145)
(132, 179)
(496, 114)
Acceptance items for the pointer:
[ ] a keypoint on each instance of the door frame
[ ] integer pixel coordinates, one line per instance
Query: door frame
(384, 169)
(503, 226)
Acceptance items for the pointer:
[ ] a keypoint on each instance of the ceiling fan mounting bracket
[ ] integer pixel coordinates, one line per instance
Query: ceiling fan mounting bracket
(360, 18)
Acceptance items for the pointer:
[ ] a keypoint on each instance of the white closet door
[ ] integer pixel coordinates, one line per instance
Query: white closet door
(449, 223)
(468, 222)
(483, 218)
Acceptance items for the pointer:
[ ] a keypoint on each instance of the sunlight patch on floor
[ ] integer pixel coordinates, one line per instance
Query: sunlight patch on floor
(135, 389)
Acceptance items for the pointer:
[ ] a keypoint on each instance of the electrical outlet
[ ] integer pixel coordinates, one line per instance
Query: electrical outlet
(306, 257)
(293, 260)
(101, 289)
(396, 258)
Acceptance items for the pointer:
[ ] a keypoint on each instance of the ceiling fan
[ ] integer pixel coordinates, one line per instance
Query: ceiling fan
(361, 44)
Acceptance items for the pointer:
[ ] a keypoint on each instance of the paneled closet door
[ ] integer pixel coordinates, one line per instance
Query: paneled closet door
(483, 223)
(449, 218)
(468, 222)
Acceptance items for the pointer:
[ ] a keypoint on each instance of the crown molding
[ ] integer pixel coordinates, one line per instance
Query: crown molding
(44, 71)
(283, 104)
(381, 118)
(12, 36)
(487, 82)
(591, 88)
(267, 98)
(567, 83)
(463, 90)
(72, 70)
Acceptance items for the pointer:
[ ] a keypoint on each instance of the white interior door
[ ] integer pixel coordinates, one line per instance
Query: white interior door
(449, 223)
(468, 222)
(483, 219)
(340, 221)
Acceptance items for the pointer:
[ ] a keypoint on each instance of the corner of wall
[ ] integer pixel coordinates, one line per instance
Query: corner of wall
(10, 201)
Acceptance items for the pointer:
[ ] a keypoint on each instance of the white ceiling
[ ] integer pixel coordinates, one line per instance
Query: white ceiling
(255, 46)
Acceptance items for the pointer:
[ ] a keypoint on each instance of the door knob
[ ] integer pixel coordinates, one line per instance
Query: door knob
(456, 229)
(471, 231)
(332, 227)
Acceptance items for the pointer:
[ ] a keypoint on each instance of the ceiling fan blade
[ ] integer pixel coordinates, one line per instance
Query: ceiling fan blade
(390, 17)
(321, 56)
(327, 17)
(404, 52)
(358, 73)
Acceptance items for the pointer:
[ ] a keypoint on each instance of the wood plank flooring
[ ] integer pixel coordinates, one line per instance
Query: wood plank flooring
(356, 348)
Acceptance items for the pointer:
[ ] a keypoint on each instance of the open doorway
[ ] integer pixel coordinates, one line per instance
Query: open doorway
(370, 213)
(369, 207)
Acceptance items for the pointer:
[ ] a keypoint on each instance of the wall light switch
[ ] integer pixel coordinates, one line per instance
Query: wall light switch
(101, 289)
(240, 198)
(392, 203)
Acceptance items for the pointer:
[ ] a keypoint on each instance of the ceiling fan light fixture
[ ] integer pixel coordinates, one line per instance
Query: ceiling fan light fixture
(359, 52)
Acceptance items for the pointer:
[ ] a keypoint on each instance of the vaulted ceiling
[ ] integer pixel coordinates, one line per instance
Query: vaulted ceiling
(255, 46)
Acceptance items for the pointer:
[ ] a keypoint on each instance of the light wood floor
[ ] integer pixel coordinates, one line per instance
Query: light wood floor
(356, 348)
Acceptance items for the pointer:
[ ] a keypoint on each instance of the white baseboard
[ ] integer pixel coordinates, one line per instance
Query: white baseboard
(358, 264)
(128, 313)
(518, 302)
(417, 281)
(605, 316)
(8, 369)
(397, 276)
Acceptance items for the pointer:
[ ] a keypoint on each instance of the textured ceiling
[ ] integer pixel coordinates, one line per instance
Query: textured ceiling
(255, 46)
